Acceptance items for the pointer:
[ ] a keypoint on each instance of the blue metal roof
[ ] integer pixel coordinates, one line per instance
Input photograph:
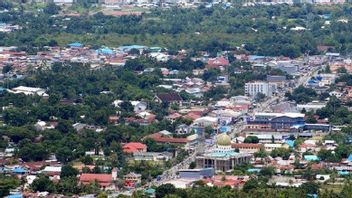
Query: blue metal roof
(129, 47)
(343, 173)
(105, 50)
(255, 57)
(311, 158)
(350, 158)
(291, 143)
(19, 170)
(75, 44)
(312, 195)
(312, 82)
(15, 196)
(149, 191)
(253, 170)
(225, 129)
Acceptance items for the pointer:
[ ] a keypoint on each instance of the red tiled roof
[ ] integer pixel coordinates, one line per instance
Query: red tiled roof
(35, 166)
(317, 166)
(134, 147)
(305, 145)
(286, 167)
(102, 179)
(193, 115)
(149, 119)
(216, 62)
(159, 138)
(174, 116)
(229, 181)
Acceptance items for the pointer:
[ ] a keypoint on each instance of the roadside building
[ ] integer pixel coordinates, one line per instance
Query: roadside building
(200, 173)
(170, 98)
(247, 148)
(278, 121)
(105, 181)
(133, 147)
(279, 80)
(256, 87)
(152, 156)
(223, 157)
(311, 106)
(132, 179)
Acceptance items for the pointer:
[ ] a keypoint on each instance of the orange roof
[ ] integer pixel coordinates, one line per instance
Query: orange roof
(134, 147)
(102, 179)
(307, 145)
(34, 166)
(193, 115)
(229, 181)
(174, 116)
(317, 166)
(219, 61)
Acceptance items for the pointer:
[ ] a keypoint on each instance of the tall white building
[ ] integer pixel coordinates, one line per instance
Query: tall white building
(266, 88)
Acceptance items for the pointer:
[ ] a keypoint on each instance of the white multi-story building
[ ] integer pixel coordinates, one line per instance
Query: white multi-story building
(266, 88)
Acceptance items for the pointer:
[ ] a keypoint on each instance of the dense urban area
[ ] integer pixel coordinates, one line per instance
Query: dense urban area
(175, 98)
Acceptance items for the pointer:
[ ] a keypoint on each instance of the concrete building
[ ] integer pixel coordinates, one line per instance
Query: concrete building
(268, 138)
(223, 157)
(200, 173)
(247, 148)
(270, 146)
(278, 120)
(132, 179)
(152, 156)
(29, 91)
(266, 88)
(279, 80)
(311, 106)
(289, 67)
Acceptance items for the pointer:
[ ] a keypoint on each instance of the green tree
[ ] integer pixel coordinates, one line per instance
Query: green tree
(54, 98)
(310, 187)
(260, 97)
(267, 171)
(6, 69)
(281, 152)
(29, 151)
(68, 186)
(250, 185)
(87, 160)
(68, 171)
(251, 139)
(327, 69)
(51, 8)
(7, 183)
(164, 189)
(43, 183)
(341, 70)
(192, 165)
(311, 119)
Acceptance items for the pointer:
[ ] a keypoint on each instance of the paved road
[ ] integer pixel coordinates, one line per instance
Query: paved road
(172, 172)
